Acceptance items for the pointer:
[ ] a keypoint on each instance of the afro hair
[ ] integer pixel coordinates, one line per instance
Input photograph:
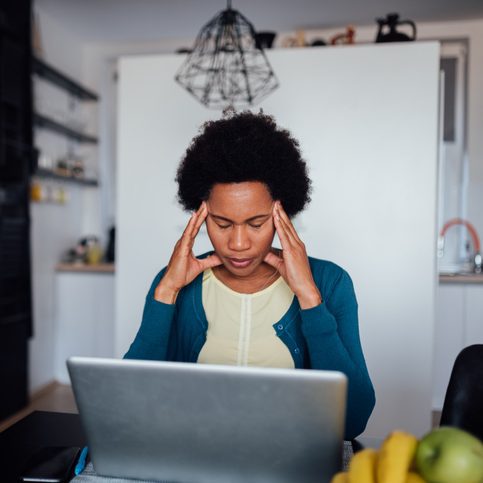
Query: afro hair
(243, 147)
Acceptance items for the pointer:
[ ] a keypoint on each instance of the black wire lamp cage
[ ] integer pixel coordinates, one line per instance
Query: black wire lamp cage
(227, 67)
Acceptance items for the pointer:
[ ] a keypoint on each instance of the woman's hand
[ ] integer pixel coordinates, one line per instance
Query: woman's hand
(293, 264)
(183, 266)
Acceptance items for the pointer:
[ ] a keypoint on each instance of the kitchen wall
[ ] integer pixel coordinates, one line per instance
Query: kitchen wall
(100, 63)
(54, 228)
(473, 31)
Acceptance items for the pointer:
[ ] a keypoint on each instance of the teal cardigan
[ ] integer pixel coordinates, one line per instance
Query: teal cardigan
(323, 337)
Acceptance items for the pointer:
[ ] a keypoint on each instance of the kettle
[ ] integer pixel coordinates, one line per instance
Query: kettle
(391, 22)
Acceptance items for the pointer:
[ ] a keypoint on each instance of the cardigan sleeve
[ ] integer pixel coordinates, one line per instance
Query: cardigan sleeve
(331, 331)
(152, 339)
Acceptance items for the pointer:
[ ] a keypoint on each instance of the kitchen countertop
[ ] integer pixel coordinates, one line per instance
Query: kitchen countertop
(461, 278)
(110, 268)
(85, 268)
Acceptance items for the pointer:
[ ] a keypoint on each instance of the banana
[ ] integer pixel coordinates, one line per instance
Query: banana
(395, 457)
(340, 478)
(362, 468)
(414, 478)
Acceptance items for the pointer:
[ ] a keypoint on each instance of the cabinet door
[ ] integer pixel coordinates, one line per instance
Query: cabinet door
(84, 318)
(448, 337)
(474, 315)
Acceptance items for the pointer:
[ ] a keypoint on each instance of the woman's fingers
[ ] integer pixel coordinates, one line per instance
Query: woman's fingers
(189, 226)
(283, 229)
(201, 215)
(282, 232)
(274, 261)
(191, 230)
(288, 233)
(286, 220)
(183, 267)
(210, 262)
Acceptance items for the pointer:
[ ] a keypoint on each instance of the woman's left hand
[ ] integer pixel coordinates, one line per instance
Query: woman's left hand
(293, 263)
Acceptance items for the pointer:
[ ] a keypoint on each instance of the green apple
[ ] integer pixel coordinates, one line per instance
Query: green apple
(450, 455)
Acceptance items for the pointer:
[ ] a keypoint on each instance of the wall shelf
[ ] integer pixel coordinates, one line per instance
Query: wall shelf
(44, 122)
(47, 174)
(46, 71)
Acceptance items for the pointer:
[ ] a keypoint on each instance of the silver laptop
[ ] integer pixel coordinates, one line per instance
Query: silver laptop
(198, 423)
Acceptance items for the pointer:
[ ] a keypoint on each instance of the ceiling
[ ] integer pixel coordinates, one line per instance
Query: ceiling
(147, 20)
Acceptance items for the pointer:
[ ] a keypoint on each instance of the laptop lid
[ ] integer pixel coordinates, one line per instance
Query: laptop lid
(185, 422)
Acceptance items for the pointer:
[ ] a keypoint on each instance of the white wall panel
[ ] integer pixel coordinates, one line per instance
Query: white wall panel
(366, 118)
(449, 336)
(473, 332)
(84, 318)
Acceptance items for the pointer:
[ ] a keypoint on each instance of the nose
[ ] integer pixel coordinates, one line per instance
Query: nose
(239, 240)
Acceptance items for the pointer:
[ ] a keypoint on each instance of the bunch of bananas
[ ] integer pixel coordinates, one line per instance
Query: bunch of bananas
(391, 464)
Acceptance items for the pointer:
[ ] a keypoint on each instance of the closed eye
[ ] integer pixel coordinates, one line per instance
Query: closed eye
(224, 227)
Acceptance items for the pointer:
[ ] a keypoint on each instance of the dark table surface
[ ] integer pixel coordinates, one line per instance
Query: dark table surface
(35, 431)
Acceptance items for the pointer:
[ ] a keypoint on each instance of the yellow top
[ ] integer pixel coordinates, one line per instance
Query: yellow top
(240, 326)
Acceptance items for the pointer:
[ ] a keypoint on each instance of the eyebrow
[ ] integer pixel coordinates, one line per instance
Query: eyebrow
(253, 218)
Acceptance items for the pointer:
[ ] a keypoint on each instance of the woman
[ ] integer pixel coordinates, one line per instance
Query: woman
(247, 303)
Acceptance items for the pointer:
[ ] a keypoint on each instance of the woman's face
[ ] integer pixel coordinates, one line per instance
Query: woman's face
(240, 225)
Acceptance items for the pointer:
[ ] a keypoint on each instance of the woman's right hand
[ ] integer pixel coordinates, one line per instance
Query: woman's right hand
(183, 266)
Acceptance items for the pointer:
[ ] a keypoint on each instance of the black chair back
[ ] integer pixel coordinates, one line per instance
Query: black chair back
(463, 403)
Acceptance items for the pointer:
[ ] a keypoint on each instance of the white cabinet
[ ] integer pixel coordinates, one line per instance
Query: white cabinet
(84, 318)
(459, 323)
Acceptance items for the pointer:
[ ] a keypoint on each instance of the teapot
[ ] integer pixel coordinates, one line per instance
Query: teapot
(392, 21)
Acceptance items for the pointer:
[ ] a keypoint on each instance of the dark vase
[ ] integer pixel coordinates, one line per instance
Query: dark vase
(388, 29)
(264, 40)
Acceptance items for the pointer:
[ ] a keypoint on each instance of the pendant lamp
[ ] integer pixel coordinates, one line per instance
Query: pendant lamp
(226, 66)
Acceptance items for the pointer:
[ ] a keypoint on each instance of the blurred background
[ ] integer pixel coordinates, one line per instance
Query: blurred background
(390, 109)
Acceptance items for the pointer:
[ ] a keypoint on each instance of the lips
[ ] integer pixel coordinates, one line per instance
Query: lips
(240, 262)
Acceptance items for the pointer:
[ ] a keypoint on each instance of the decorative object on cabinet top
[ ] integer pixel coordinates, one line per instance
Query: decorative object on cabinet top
(56, 77)
(344, 38)
(264, 40)
(388, 32)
